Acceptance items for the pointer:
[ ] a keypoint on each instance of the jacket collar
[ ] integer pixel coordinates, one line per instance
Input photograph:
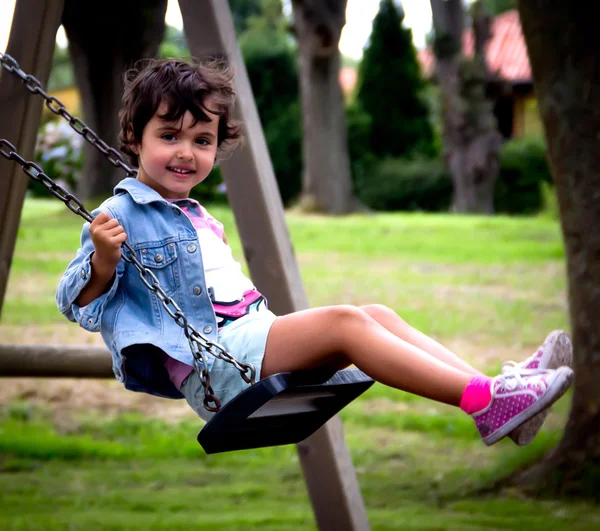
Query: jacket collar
(139, 192)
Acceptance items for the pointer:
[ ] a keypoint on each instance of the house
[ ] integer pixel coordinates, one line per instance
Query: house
(510, 75)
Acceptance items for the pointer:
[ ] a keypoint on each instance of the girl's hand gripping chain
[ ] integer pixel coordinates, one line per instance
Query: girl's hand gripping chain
(107, 236)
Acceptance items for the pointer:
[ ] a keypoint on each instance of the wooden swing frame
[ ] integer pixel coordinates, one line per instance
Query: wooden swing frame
(325, 459)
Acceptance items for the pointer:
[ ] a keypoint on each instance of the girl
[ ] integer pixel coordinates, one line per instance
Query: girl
(175, 122)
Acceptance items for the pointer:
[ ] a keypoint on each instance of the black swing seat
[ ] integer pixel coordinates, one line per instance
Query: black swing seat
(282, 409)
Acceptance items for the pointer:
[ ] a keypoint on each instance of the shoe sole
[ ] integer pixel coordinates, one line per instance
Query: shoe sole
(559, 343)
(560, 384)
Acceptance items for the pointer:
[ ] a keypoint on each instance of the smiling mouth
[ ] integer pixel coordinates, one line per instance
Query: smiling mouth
(180, 171)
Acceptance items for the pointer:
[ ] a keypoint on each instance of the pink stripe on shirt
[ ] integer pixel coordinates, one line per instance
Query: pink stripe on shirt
(201, 219)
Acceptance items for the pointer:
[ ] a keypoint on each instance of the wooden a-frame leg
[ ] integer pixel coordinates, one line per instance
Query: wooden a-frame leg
(31, 44)
(259, 214)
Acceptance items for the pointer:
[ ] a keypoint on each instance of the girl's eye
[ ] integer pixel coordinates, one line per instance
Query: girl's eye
(168, 137)
(203, 142)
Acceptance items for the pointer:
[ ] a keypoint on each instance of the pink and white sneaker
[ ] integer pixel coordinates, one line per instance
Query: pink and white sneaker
(557, 351)
(516, 398)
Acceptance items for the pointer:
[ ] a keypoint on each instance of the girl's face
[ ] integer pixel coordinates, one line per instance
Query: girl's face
(176, 156)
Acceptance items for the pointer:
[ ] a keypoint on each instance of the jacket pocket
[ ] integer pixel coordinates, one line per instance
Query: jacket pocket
(161, 259)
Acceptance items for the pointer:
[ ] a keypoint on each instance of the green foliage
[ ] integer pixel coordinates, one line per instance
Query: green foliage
(401, 184)
(496, 7)
(174, 44)
(523, 169)
(550, 208)
(62, 74)
(270, 60)
(284, 139)
(422, 184)
(390, 88)
(242, 11)
(212, 189)
(362, 159)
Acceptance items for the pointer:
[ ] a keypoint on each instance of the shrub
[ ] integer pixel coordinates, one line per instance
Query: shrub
(523, 169)
(523, 187)
(399, 184)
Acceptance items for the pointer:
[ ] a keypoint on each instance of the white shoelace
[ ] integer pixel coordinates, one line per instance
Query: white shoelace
(514, 377)
(508, 367)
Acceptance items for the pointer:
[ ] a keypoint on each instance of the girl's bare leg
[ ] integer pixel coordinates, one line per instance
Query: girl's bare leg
(390, 320)
(340, 335)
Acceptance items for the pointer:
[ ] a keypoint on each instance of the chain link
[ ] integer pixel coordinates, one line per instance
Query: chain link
(199, 344)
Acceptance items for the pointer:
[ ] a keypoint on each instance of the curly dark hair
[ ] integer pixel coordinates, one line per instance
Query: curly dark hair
(183, 86)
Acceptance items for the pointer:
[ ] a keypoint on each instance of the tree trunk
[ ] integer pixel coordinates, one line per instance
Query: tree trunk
(106, 38)
(327, 183)
(562, 43)
(471, 139)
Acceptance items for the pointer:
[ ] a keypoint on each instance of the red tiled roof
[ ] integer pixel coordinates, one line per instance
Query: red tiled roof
(506, 50)
(347, 79)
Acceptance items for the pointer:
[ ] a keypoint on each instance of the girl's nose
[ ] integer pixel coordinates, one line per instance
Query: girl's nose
(184, 152)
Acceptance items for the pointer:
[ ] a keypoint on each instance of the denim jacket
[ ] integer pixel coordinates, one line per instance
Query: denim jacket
(128, 313)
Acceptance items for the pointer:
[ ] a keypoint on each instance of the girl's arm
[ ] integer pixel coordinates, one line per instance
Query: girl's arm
(92, 277)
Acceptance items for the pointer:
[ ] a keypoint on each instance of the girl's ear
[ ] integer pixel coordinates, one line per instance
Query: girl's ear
(133, 146)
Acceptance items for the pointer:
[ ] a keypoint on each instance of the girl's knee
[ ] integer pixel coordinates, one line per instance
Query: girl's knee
(347, 315)
(380, 312)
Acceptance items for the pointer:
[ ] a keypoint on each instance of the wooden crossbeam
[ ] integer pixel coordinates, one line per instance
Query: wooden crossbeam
(55, 361)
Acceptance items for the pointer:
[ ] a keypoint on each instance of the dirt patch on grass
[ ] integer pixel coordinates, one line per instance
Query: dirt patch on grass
(67, 397)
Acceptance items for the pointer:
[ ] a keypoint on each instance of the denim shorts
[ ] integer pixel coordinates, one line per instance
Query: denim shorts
(245, 339)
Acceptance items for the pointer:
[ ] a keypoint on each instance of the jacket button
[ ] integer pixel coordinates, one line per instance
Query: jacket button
(208, 329)
(197, 290)
(83, 273)
(191, 248)
(177, 212)
(159, 258)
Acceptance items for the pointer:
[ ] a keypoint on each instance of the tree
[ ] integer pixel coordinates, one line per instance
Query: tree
(390, 88)
(104, 40)
(472, 141)
(327, 184)
(562, 46)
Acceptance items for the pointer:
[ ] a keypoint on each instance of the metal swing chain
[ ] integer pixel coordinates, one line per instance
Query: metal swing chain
(197, 341)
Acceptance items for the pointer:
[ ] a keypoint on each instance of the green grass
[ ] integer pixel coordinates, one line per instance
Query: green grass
(490, 286)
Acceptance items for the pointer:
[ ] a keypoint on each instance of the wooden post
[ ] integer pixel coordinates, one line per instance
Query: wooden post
(31, 43)
(259, 214)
